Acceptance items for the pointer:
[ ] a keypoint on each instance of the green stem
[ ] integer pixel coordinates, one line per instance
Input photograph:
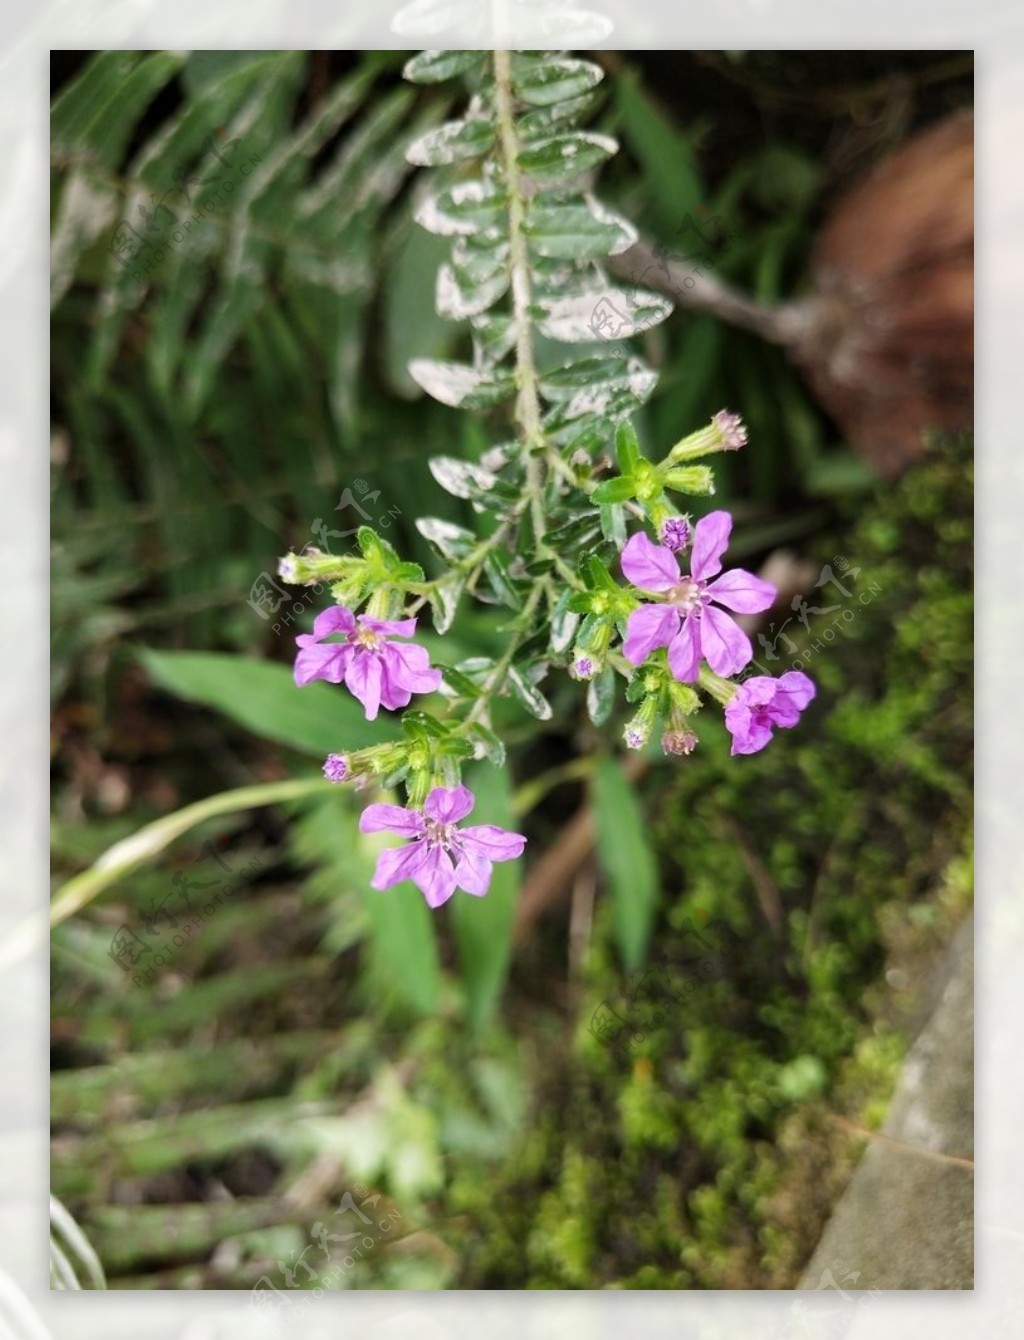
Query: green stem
(496, 679)
(125, 856)
(528, 414)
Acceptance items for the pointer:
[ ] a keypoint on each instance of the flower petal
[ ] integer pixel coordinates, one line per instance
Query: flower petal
(748, 736)
(652, 567)
(391, 819)
(435, 876)
(318, 661)
(408, 667)
(743, 592)
(447, 805)
(363, 679)
(798, 687)
(723, 643)
(396, 864)
(492, 842)
(392, 627)
(337, 619)
(473, 872)
(684, 651)
(648, 627)
(710, 541)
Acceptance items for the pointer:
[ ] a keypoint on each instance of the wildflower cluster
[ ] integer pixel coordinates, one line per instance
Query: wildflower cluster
(602, 575)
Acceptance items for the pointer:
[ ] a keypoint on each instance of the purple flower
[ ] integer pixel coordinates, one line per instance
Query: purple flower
(375, 669)
(685, 621)
(732, 429)
(675, 533)
(439, 857)
(760, 703)
(335, 767)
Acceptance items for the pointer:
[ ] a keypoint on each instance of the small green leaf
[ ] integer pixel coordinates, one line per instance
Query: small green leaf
(434, 67)
(561, 157)
(613, 524)
(544, 82)
(459, 385)
(626, 860)
(627, 449)
(461, 478)
(444, 597)
(486, 744)
(453, 142)
(564, 622)
(617, 490)
(576, 231)
(496, 568)
(529, 695)
(601, 696)
(468, 207)
(452, 542)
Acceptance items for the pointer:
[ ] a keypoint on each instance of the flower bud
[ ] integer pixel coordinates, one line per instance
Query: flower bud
(637, 730)
(725, 432)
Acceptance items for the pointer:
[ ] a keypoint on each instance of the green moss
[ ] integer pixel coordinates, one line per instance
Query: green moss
(707, 1156)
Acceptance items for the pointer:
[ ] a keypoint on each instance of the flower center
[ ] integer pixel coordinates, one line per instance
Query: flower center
(687, 595)
(367, 638)
(439, 835)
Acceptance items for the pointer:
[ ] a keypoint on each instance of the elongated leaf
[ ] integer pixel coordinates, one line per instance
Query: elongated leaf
(459, 385)
(601, 696)
(453, 142)
(484, 926)
(626, 860)
(463, 479)
(469, 207)
(264, 697)
(543, 82)
(577, 231)
(561, 157)
(434, 67)
(529, 695)
(451, 542)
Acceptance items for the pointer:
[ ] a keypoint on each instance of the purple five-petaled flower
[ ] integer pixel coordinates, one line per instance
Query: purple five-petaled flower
(377, 670)
(439, 857)
(685, 620)
(761, 703)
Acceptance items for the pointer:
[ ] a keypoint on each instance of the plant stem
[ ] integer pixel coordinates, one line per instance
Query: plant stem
(528, 415)
(496, 679)
(125, 856)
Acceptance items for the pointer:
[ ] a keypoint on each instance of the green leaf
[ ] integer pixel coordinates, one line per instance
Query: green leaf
(616, 490)
(461, 478)
(444, 597)
(564, 622)
(434, 67)
(561, 157)
(474, 279)
(453, 142)
(484, 926)
(576, 231)
(601, 696)
(452, 542)
(626, 860)
(459, 385)
(544, 82)
(627, 450)
(529, 695)
(486, 744)
(468, 207)
(264, 697)
(496, 568)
